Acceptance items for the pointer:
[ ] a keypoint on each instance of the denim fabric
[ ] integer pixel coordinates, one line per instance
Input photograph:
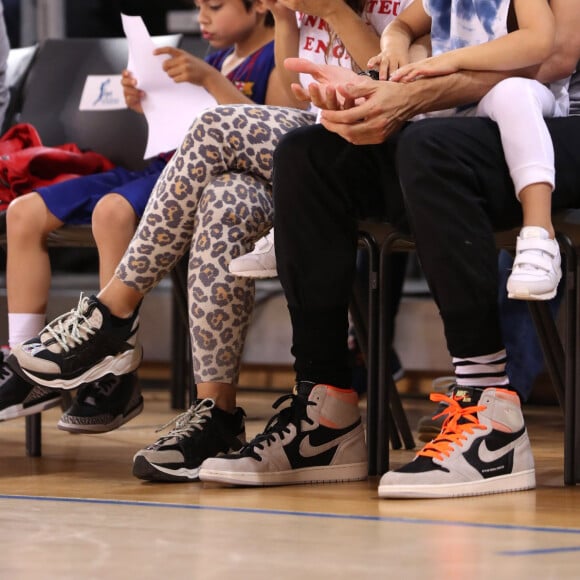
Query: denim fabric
(525, 358)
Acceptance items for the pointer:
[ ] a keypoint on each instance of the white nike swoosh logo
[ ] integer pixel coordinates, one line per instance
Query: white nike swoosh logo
(309, 450)
(488, 456)
(33, 349)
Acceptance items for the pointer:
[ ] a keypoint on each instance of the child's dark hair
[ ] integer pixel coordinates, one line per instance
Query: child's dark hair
(269, 21)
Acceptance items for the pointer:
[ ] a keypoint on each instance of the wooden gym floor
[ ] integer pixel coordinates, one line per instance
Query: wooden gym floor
(77, 512)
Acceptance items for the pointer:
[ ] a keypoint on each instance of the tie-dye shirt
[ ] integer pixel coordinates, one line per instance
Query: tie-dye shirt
(459, 23)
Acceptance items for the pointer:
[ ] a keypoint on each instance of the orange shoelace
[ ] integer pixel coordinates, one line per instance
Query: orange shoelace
(459, 422)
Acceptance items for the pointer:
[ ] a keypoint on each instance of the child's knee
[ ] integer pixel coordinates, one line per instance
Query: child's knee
(26, 215)
(512, 95)
(113, 211)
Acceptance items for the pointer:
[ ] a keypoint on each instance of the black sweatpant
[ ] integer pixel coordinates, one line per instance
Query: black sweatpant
(454, 191)
(321, 185)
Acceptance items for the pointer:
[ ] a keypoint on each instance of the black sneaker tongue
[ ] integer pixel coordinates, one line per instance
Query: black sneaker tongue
(467, 396)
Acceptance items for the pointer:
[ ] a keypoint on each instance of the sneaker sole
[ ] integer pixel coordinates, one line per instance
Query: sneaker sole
(100, 428)
(19, 411)
(143, 469)
(520, 481)
(256, 274)
(327, 474)
(529, 296)
(120, 364)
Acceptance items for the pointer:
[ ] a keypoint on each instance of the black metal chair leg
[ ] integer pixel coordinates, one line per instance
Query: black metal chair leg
(33, 435)
(371, 352)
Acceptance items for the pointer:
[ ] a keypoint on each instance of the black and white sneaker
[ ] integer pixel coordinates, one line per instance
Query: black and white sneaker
(79, 347)
(19, 398)
(202, 431)
(319, 438)
(103, 405)
(483, 448)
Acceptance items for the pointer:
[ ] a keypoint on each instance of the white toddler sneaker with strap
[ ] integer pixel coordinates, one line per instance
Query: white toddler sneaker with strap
(536, 271)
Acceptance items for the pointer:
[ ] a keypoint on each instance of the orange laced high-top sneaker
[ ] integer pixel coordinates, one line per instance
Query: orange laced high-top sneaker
(483, 448)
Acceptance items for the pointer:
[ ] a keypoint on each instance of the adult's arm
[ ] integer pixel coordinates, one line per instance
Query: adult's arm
(369, 111)
(365, 111)
(566, 54)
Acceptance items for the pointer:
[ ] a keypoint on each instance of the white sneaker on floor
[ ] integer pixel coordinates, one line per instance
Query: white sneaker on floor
(260, 262)
(483, 448)
(536, 270)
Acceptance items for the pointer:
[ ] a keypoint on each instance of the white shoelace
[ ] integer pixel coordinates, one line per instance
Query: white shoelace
(66, 329)
(193, 419)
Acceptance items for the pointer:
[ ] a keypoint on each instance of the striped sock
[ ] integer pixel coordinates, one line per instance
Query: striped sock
(482, 371)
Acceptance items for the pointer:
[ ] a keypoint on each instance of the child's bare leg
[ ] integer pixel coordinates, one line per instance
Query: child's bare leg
(536, 200)
(120, 299)
(28, 224)
(114, 223)
(224, 394)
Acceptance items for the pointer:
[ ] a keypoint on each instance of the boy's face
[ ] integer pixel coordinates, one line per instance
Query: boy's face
(224, 23)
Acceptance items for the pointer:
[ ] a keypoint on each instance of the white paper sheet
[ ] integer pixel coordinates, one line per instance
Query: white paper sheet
(169, 107)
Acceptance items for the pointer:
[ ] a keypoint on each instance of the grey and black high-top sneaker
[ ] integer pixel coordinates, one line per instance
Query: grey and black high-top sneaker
(202, 431)
(19, 398)
(78, 347)
(319, 438)
(483, 448)
(103, 405)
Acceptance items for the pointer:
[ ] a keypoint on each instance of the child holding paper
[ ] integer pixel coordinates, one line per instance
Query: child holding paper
(240, 71)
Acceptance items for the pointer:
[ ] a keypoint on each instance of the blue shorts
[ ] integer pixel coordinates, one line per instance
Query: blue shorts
(73, 201)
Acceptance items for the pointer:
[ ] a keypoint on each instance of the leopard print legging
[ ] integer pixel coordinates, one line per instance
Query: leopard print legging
(213, 199)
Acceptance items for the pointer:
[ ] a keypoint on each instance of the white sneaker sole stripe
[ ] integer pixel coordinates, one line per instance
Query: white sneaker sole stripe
(256, 273)
(117, 422)
(18, 411)
(119, 364)
(326, 474)
(502, 484)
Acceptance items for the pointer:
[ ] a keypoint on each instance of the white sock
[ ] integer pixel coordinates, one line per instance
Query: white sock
(481, 371)
(21, 327)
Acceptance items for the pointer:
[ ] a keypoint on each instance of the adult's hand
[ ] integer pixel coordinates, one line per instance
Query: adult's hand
(359, 109)
(377, 110)
(327, 76)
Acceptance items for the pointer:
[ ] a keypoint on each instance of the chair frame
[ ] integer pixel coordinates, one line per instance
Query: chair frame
(561, 354)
